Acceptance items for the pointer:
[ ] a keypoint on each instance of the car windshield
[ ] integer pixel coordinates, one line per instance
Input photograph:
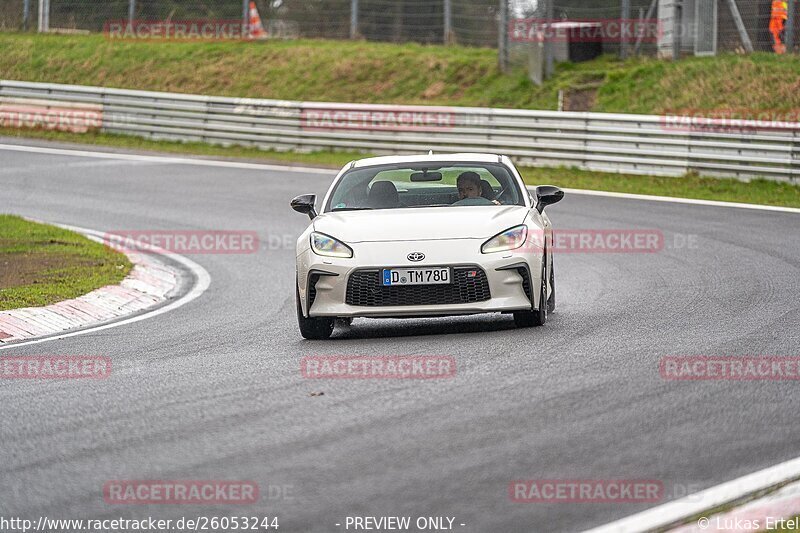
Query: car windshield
(424, 184)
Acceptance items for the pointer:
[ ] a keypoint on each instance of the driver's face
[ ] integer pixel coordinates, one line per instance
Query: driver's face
(468, 189)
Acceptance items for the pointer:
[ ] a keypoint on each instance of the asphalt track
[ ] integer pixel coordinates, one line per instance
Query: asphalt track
(213, 390)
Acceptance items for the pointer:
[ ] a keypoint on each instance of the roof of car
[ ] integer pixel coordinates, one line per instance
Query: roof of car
(393, 159)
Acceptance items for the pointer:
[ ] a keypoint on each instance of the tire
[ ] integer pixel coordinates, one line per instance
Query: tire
(538, 317)
(551, 302)
(312, 328)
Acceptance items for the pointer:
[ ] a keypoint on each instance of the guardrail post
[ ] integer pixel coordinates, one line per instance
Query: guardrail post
(586, 162)
(104, 120)
(794, 159)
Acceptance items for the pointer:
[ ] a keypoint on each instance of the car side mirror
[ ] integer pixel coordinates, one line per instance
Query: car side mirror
(547, 195)
(305, 204)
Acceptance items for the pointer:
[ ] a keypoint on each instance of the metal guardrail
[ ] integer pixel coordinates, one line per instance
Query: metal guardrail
(637, 144)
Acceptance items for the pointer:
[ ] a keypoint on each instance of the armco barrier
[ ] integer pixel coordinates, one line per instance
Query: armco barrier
(637, 144)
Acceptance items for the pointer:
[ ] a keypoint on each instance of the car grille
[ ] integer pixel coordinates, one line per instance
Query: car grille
(364, 289)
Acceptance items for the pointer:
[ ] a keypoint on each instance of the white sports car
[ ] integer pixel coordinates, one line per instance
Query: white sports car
(422, 236)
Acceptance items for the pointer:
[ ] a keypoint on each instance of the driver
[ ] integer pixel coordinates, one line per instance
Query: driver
(469, 190)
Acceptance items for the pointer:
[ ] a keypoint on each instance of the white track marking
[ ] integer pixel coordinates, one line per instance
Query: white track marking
(165, 159)
(332, 172)
(200, 286)
(682, 200)
(697, 503)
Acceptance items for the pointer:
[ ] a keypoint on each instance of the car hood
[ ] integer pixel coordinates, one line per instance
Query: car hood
(421, 223)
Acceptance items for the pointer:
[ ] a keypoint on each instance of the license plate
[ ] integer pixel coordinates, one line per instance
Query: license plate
(416, 276)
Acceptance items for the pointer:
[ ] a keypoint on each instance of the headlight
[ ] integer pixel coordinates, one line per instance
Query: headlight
(326, 245)
(510, 239)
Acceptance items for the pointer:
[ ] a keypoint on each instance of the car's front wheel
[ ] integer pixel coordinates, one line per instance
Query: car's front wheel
(312, 328)
(536, 317)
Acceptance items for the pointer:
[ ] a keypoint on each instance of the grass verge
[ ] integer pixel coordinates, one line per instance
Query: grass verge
(369, 72)
(762, 192)
(42, 264)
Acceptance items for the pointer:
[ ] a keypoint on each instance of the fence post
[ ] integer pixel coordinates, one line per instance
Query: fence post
(536, 62)
(448, 22)
(647, 20)
(353, 19)
(625, 17)
(131, 11)
(737, 19)
(677, 35)
(26, 13)
(502, 37)
(44, 16)
(245, 19)
(548, 45)
(790, 27)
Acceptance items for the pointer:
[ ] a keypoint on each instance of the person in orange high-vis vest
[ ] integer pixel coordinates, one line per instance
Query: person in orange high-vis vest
(777, 19)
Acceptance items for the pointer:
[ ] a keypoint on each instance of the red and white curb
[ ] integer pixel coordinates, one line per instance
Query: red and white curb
(149, 284)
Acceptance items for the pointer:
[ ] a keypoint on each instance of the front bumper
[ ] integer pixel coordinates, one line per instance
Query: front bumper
(322, 281)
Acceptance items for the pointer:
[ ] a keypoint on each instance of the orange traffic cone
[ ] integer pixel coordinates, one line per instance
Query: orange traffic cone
(257, 30)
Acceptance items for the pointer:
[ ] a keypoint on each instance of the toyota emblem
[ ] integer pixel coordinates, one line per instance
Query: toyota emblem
(416, 256)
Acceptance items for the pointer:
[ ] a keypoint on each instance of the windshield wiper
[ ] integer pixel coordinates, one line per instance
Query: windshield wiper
(429, 205)
(350, 208)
